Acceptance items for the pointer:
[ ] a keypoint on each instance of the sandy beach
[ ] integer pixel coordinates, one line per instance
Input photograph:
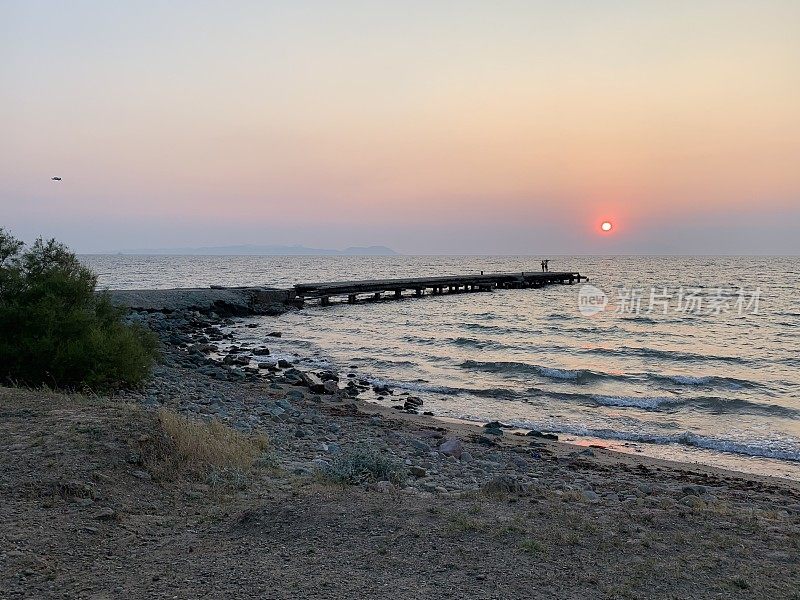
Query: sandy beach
(474, 512)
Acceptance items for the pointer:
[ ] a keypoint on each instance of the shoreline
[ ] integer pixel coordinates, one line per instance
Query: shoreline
(221, 305)
(444, 508)
(212, 362)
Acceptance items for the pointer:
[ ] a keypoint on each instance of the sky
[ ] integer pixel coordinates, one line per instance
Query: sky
(493, 127)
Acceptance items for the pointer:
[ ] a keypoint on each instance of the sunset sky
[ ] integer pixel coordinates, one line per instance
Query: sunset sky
(431, 127)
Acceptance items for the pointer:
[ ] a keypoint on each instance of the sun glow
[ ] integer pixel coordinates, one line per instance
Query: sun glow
(606, 226)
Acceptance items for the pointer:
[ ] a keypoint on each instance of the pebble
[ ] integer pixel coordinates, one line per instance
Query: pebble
(105, 514)
(590, 496)
(418, 471)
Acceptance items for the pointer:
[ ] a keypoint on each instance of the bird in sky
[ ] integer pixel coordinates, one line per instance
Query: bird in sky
(56, 178)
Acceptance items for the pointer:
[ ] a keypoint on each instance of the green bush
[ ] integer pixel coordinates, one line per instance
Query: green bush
(56, 330)
(362, 465)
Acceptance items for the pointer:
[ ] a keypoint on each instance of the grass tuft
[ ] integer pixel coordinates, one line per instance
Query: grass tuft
(208, 450)
(531, 546)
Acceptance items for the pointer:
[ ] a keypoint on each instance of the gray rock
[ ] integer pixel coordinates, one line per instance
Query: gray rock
(285, 404)
(105, 514)
(330, 387)
(417, 471)
(539, 434)
(421, 446)
(504, 484)
(452, 447)
(695, 490)
(590, 496)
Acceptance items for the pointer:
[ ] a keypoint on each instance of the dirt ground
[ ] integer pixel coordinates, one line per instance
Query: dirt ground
(82, 517)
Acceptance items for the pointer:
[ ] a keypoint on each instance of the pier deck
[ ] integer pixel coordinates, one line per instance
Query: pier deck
(433, 285)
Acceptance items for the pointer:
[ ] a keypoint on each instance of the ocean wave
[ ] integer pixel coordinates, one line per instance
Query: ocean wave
(496, 328)
(708, 404)
(577, 375)
(782, 449)
(732, 383)
(640, 319)
(466, 342)
(647, 403)
(582, 376)
(384, 362)
(675, 355)
(430, 388)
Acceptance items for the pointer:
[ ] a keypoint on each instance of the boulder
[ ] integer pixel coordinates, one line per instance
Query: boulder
(417, 471)
(452, 447)
(313, 382)
(539, 434)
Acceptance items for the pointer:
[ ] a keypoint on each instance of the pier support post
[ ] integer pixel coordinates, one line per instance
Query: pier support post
(398, 293)
(377, 296)
(418, 292)
(351, 299)
(325, 300)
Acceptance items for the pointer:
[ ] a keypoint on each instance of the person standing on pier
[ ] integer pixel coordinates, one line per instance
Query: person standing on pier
(542, 266)
(547, 265)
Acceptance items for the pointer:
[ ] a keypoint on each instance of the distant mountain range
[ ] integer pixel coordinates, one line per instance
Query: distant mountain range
(252, 250)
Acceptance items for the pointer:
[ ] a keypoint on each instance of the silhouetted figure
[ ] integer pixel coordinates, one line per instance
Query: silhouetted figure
(542, 266)
(547, 265)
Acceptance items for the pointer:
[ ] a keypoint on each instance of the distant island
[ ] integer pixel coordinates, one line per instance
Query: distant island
(255, 250)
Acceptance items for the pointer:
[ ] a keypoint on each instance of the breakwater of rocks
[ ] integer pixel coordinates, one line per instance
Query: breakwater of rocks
(214, 301)
(196, 339)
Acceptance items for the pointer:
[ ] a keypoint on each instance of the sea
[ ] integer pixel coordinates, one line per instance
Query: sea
(695, 359)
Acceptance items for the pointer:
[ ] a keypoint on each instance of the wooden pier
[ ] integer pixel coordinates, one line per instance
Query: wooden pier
(451, 284)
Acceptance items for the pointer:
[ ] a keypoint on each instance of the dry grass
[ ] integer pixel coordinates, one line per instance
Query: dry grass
(205, 449)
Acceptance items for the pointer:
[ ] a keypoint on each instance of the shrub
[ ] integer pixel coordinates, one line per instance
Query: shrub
(56, 330)
(361, 465)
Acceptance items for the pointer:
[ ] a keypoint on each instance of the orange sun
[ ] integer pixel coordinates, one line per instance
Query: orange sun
(606, 226)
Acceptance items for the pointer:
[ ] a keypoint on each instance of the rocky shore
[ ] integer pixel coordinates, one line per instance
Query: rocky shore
(314, 416)
(360, 499)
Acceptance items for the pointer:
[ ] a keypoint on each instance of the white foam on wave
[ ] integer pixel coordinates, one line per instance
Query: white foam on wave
(690, 379)
(554, 373)
(634, 401)
(779, 448)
